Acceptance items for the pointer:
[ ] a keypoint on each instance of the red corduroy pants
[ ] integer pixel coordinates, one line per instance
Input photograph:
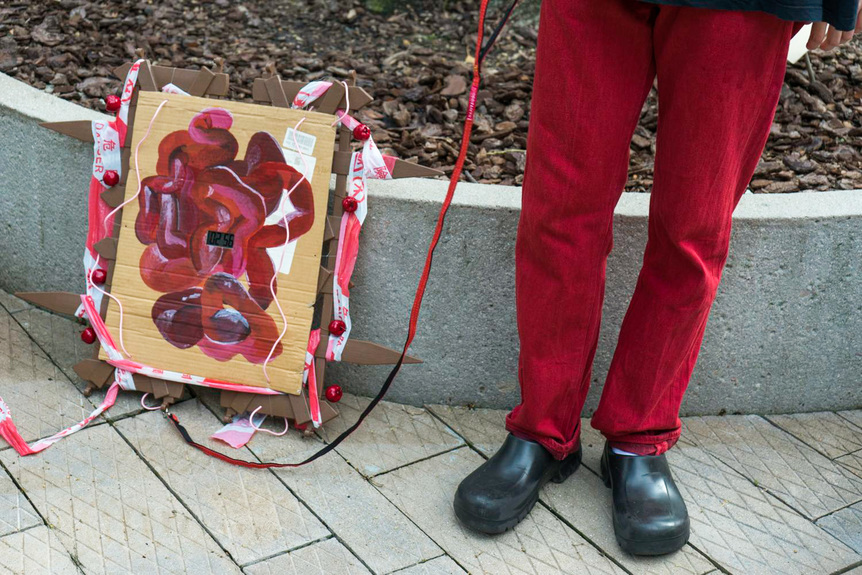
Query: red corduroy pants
(719, 78)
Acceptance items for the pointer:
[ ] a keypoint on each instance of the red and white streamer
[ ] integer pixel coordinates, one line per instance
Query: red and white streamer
(108, 140)
(309, 378)
(345, 258)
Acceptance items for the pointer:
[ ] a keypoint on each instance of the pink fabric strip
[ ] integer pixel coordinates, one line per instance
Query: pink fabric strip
(309, 377)
(237, 433)
(345, 258)
(10, 433)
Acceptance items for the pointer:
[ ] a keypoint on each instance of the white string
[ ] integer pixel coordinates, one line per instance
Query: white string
(284, 249)
(256, 428)
(338, 117)
(144, 405)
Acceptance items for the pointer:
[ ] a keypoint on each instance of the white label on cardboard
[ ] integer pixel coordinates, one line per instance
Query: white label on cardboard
(305, 141)
(295, 161)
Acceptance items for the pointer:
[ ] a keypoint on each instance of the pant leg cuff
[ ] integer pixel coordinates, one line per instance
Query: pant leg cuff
(558, 449)
(645, 444)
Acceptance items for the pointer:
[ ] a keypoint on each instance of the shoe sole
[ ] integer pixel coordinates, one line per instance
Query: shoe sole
(643, 548)
(495, 527)
(651, 548)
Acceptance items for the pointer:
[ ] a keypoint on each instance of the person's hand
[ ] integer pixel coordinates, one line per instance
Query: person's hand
(826, 37)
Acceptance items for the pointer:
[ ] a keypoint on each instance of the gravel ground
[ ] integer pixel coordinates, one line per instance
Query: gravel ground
(415, 62)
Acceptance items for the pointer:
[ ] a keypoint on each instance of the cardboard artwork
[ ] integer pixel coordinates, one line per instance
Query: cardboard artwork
(192, 256)
(222, 208)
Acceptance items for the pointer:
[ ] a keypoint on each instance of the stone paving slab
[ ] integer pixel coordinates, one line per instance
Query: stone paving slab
(16, 513)
(846, 525)
(372, 527)
(744, 528)
(324, 558)
(583, 500)
(854, 417)
(40, 397)
(443, 565)
(541, 544)
(249, 511)
(11, 303)
(110, 511)
(60, 337)
(773, 459)
(35, 551)
(853, 462)
(826, 432)
(392, 436)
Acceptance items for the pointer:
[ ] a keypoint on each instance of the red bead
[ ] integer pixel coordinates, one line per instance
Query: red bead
(99, 277)
(337, 327)
(301, 426)
(113, 103)
(349, 204)
(88, 335)
(334, 393)
(361, 132)
(111, 178)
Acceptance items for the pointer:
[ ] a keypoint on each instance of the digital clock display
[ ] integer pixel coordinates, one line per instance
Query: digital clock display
(219, 239)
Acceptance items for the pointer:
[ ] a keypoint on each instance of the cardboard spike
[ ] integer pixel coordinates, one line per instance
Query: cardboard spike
(276, 93)
(99, 373)
(331, 100)
(146, 79)
(403, 169)
(202, 81)
(299, 405)
(181, 78)
(364, 352)
(272, 405)
(344, 138)
(324, 280)
(358, 97)
(333, 223)
(328, 232)
(107, 248)
(113, 197)
(58, 301)
(78, 129)
(159, 388)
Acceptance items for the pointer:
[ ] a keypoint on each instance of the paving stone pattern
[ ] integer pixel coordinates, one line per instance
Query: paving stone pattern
(781, 494)
(396, 435)
(846, 525)
(789, 469)
(828, 433)
(323, 558)
(251, 513)
(853, 462)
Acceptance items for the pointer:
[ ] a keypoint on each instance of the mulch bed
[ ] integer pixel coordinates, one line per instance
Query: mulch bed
(415, 63)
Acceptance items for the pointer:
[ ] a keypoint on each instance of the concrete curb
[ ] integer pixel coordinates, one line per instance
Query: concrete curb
(785, 334)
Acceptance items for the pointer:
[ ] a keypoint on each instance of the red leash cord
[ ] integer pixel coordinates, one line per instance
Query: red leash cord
(481, 52)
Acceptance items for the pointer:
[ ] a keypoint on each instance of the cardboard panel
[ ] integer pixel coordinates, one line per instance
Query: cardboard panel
(185, 79)
(58, 301)
(358, 96)
(189, 303)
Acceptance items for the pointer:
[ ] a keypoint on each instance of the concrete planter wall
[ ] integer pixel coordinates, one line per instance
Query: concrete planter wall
(785, 333)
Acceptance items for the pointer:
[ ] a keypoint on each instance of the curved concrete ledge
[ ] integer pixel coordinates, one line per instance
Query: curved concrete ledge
(785, 334)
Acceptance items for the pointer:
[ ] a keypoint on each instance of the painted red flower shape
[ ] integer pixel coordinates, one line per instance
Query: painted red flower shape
(201, 187)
